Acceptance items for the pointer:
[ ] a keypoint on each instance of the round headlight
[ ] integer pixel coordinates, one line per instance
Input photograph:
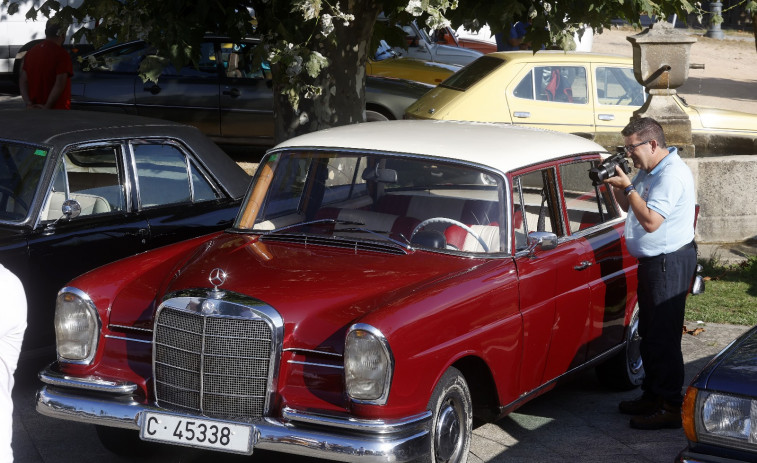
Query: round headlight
(76, 326)
(368, 365)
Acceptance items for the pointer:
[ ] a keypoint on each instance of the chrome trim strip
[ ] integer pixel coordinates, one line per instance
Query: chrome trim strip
(314, 364)
(311, 351)
(89, 383)
(130, 328)
(337, 439)
(124, 338)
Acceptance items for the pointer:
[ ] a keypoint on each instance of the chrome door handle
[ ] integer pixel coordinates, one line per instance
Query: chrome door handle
(583, 265)
(522, 114)
(606, 117)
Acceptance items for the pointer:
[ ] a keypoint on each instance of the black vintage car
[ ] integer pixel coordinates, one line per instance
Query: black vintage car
(80, 189)
(228, 96)
(720, 408)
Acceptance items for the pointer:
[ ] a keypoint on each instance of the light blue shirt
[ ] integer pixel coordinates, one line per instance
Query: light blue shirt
(668, 190)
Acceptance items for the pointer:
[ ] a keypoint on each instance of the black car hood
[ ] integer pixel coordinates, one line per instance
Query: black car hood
(735, 368)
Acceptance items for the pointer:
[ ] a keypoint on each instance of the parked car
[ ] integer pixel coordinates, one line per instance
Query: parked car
(225, 97)
(587, 94)
(388, 63)
(420, 45)
(383, 284)
(78, 190)
(466, 39)
(720, 407)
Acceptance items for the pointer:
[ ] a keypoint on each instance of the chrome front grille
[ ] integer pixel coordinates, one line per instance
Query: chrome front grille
(213, 364)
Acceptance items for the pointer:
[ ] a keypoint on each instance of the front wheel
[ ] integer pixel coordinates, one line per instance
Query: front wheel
(452, 420)
(625, 370)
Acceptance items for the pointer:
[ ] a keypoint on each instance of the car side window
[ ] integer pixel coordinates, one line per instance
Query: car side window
(618, 86)
(562, 84)
(238, 62)
(535, 206)
(207, 65)
(587, 205)
(126, 59)
(92, 177)
(165, 176)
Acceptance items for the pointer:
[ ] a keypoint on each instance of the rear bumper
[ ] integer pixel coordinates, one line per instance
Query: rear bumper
(295, 432)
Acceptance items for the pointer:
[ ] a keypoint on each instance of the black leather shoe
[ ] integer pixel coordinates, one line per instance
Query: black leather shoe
(641, 406)
(667, 417)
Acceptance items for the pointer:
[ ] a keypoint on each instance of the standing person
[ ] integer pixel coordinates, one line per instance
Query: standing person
(12, 329)
(659, 232)
(513, 40)
(45, 80)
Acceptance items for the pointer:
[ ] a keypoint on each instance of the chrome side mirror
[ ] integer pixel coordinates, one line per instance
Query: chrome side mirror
(541, 240)
(71, 209)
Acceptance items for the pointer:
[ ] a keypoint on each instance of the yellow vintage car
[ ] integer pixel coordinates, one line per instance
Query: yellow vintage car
(588, 94)
(386, 63)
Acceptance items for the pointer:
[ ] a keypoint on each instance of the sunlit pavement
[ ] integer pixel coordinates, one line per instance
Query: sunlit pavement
(577, 421)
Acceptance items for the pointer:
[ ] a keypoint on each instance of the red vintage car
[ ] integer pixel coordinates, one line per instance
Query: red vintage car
(383, 284)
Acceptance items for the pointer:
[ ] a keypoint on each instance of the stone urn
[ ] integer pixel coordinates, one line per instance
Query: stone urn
(661, 59)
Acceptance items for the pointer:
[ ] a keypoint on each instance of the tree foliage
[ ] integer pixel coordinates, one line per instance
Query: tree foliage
(318, 49)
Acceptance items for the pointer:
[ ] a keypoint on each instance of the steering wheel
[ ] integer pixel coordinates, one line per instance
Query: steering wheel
(5, 194)
(468, 229)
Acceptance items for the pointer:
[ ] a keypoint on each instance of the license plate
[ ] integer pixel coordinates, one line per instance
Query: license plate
(197, 432)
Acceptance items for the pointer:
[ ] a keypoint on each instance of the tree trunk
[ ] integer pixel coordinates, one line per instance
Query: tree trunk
(342, 99)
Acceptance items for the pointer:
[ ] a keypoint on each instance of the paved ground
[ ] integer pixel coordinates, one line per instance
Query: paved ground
(578, 421)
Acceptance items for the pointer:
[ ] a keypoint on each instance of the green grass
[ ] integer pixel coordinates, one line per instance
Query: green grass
(730, 293)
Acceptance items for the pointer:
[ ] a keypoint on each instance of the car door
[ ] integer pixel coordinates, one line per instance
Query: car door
(189, 95)
(246, 95)
(552, 96)
(617, 95)
(105, 230)
(595, 220)
(175, 195)
(554, 293)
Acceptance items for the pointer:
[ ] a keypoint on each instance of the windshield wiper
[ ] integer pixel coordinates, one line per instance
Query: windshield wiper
(311, 222)
(384, 235)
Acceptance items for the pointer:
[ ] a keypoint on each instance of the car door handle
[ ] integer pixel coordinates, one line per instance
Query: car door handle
(152, 88)
(583, 265)
(233, 92)
(522, 114)
(606, 117)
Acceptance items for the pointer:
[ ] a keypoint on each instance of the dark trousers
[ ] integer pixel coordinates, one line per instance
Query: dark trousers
(664, 283)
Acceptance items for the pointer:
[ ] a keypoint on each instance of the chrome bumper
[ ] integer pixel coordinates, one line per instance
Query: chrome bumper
(296, 432)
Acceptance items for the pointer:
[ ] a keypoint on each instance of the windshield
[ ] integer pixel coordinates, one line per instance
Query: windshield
(418, 202)
(20, 172)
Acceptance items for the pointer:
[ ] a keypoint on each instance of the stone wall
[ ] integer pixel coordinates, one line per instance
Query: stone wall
(727, 197)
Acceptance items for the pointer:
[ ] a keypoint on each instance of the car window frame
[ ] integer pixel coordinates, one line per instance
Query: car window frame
(607, 195)
(124, 178)
(554, 197)
(191, 162)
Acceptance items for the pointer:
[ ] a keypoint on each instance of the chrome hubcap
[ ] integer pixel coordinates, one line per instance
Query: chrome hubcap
(447, 433)
(634, 351)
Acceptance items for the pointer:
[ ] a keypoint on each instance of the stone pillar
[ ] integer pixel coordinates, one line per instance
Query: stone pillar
(661, 64)
(714, 31)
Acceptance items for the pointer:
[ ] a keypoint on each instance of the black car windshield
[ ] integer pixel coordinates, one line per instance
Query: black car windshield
(20, 172)
(365, 196)
(471, 74)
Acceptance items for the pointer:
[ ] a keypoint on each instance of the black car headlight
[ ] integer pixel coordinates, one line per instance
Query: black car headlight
(368, 365)
(726, 419)
(77, 326)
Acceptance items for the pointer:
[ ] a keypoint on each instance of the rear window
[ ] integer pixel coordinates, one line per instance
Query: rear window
(466, 77)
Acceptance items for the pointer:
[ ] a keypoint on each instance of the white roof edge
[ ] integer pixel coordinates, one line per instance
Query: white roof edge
(502, 146)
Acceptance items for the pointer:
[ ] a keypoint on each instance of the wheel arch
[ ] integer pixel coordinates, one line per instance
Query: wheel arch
(482, 386)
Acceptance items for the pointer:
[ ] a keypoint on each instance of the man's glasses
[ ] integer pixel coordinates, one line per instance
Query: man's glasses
(630, 148)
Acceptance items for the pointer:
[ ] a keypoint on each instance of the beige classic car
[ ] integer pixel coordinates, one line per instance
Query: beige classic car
(588, 94)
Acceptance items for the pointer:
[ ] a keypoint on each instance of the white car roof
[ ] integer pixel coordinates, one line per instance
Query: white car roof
(504, 147)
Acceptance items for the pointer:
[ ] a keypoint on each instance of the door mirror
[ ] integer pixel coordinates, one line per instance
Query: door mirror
(71, 209)
(541, 240)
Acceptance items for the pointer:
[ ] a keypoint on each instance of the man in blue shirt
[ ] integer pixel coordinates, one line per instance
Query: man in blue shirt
(659, 232)
(514, 40)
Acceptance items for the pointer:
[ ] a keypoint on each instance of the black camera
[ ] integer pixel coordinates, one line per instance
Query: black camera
(607, 168)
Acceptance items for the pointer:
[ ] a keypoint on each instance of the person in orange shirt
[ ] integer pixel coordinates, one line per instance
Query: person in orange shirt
(45, 80)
